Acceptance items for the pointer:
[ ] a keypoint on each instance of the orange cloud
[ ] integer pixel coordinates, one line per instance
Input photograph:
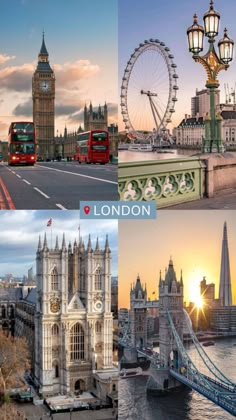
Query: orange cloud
(69, 73)
(16, 78)
(4, 58)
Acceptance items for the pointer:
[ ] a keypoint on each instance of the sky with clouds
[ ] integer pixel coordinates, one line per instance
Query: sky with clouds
(168, 21)
(193, 239)
(20, 231)
(81, 39)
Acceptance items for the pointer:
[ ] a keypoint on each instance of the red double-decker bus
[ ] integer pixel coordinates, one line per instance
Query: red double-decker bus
(21, 143)
(93, 147)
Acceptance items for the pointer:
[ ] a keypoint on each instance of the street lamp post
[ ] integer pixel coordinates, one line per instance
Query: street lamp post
(213, 64)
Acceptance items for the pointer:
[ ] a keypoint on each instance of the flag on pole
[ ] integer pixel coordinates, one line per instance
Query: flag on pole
(49, 222)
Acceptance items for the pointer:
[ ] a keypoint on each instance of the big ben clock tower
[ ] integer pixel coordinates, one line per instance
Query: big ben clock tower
(43, 92)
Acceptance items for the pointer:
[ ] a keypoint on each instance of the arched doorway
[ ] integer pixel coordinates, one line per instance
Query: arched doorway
(79, 385)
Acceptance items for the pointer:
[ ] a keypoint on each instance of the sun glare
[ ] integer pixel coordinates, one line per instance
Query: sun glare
(198, 302)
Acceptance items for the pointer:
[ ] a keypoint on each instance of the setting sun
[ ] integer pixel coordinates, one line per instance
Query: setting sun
(199, 302)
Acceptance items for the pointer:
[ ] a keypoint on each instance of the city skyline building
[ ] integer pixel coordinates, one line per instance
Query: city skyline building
(225, 292)
(200, 103)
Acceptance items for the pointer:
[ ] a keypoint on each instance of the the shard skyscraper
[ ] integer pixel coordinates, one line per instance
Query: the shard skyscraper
(225, 293)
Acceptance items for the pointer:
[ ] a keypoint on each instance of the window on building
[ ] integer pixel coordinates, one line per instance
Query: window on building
(77, 342)
(55, 369)
(98, 279)
(12, 311)
(3, 312)
(55, 330)
(54, 279)
(114, 387)
(98, 327)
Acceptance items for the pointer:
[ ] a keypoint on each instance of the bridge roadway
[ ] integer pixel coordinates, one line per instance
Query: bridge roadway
(56, 185)
(222, 396)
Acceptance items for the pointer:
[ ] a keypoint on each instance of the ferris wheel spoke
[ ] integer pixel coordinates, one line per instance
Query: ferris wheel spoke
(150, 69)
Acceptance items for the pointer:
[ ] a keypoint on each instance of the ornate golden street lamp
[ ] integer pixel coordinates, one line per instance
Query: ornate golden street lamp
(212, 63)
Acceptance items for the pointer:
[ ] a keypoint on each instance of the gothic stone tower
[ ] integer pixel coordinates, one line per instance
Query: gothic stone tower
(73, 320)
(43, 92)
(138, 314)
(171, 298)
(95, 120)
(225, 292)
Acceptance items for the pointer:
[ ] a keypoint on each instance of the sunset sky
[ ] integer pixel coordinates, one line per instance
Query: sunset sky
(20, 231)
(192, 238)
(81, 39)
(168, 21)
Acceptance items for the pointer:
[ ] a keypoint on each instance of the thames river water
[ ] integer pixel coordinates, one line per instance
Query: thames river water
(184, 405)
(130, 156)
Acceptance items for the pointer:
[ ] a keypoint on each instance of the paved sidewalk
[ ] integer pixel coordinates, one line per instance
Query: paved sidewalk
(222, 201)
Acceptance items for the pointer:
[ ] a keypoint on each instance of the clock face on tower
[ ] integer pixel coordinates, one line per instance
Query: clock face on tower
(98, 306)
(54, 305)
(45, 86)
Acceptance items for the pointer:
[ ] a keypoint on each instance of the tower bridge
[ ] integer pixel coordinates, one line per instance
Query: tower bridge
(174, 366)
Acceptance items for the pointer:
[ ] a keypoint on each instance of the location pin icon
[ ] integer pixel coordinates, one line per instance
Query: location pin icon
(86, 209)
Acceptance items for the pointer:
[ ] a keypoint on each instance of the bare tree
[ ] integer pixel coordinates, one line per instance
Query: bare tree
(14, 360)
(10, 412)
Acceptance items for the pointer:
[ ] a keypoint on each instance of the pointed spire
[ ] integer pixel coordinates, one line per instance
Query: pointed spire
(107, 248)
(225, 291)
(225, 236)
(43, 49)
(91, 108)
(45, 243)
(75, 244)
(89, 247)
(97, 245)
(160, 281)
(65, 132)
(99, 111)
(57, 245)
(181, 278)
(39, 244)
(70, 248)
(63, 243)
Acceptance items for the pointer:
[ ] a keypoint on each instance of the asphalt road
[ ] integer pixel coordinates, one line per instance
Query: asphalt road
(56, 185)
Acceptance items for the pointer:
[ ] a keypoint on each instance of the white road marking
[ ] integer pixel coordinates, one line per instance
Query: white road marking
(83, 176)
(27, 182)
(41, 192)
(13, 172)
(61, 207)
(18, 176)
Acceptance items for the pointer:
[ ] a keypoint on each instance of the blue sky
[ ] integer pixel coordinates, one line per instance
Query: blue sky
(168, 21)
(20, 231)
(81, 38)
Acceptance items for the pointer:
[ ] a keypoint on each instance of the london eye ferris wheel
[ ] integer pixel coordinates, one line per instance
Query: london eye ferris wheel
(149, 90)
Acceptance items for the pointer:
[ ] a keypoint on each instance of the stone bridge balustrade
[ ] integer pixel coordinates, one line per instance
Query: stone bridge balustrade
(167, 182)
